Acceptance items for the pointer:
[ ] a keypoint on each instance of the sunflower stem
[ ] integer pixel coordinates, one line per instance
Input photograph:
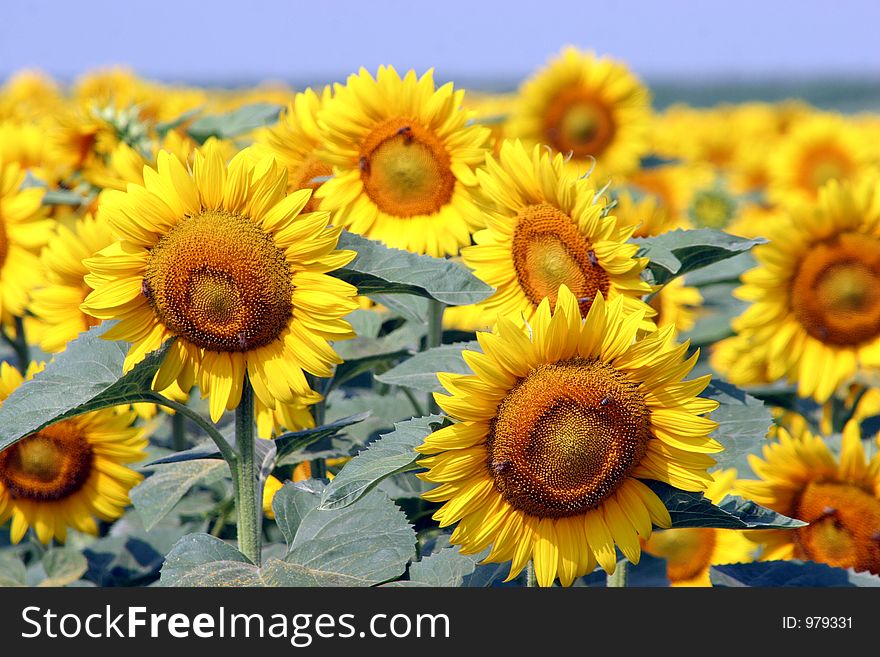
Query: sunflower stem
(531, 580)
(619, 577)
(246, 477)
(435, 339)
(19, 345)
(417, 407)
(223, 445)
(178, 432)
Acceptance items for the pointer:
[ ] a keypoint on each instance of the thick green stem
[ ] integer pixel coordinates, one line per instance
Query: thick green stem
(620, 575)
(435, 339)
(245, 477)
(19, 345)
(178, 432)
(531, 580)
(225, 448)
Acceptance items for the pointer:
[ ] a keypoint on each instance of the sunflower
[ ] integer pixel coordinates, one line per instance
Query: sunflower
(815, 294)
(69, 473)
(23, 232)
(691, 551)
(736, 360)
(220, 259)
(817, 150)
(403, 157)
(295, 141)
(591, 107)
(673, 185)
(285, 416)
(493, 111)
(840, 499)
(57, 305)
(25, 143)
(125, 164)
(555, 430)
(547, 227)
(28, 94)
(646, 213)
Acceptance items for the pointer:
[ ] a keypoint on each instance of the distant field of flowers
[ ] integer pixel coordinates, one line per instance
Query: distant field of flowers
(395, 332)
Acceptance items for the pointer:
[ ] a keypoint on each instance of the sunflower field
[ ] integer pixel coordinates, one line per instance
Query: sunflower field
(391, 332)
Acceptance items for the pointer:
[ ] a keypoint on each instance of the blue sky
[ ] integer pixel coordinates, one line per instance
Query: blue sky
(224, 40)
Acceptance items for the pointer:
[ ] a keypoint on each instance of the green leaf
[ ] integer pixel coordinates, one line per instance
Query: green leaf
(132, 556)
(408, 306)
(361, 545)
(164, 127)
(12, 571)
(765, 574)
(87, 376)
(203, 560)
(419, 372)
(448, 567)
(681, 251)
(365, 354)
(715, 315)
(235, 123)
(379, 269)
(292, 503)
(695, 510)
(727, 271)
(394, 452)
(756, 516)
(743, 422)
(294, 442)
(63, 566)
(156, 495)
(384, 410)
(365, 323)
(404, 486)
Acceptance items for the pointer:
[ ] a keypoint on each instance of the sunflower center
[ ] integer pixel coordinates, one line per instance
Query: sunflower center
(303, 177)
(835, 293)
(712, 208)
(577, 122)
(566, 437)
(844, 527)
(549, 250)
(825, 164)
(221, 282)
(688, 551)
(406, 169)
(49, 465)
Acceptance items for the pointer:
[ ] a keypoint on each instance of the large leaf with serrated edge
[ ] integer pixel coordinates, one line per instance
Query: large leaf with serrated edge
(687, 509)
(394, 452)
(87, 376)
(380, 269)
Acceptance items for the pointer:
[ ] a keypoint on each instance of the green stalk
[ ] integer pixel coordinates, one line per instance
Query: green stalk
(620, 576)
(229, 454)
(531, 580)
(178, 432)
(19, 345)
(245, 477)
(435, 339)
